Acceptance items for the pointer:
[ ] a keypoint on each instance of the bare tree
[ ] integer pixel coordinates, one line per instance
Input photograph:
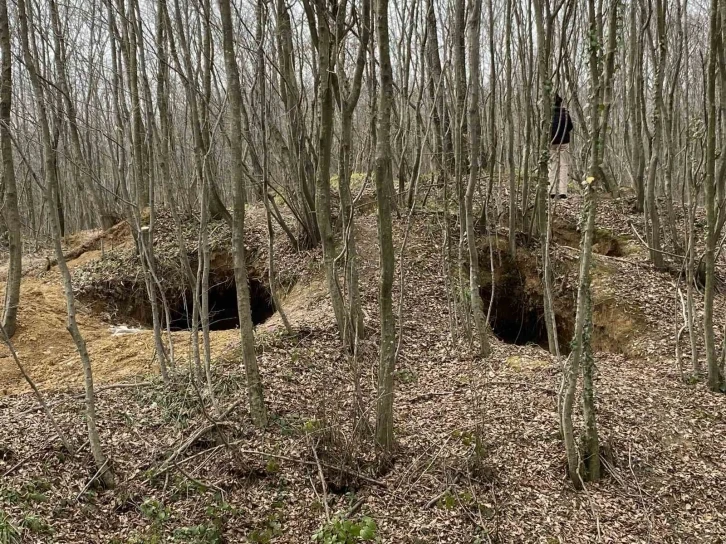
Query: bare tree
(10, 204)
(477, 304)
(384, 187)
(258, 411)
(105, 471)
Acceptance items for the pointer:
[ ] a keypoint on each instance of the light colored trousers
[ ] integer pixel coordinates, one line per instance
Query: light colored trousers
(559, 169)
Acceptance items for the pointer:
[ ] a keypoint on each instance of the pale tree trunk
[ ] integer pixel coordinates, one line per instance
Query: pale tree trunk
(300, 161)
(584, 465)
(477, 304)
(203, 256)
(444, 148)
(106, 218)
(349, 103)
(544, 20)
(10, 204)
(104, 470)
(384, 183)
(325, 44)
(651, 204)
(459, 152)
(493, 129)
(262, 83)
(258, 411)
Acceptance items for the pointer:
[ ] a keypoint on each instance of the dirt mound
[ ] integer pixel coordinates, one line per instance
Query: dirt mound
(604, 243)
(110, 291)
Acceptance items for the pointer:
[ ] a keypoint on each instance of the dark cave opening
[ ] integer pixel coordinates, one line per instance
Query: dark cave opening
(517, 315)
(223, 314)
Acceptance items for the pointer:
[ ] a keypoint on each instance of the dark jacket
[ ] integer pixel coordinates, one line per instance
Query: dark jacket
(561, 126)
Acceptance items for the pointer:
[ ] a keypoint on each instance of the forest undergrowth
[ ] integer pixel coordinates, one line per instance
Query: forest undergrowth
(478, 456)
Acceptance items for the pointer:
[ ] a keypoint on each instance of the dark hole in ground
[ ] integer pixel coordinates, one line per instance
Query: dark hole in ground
(223, 313)
(517, 315)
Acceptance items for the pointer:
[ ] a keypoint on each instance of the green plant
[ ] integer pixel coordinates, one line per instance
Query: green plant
(447, 501)
(154, 510)
(346, 531)
(312, 425)
(271, 528)
(10, 495)
(406, 376)
(36, 524)
(199, 534)
(9, 534)
(272, 466)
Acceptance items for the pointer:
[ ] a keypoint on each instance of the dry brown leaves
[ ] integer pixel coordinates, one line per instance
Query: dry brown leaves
(667, 483)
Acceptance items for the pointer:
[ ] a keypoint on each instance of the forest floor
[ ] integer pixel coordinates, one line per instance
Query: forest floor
(478, 456)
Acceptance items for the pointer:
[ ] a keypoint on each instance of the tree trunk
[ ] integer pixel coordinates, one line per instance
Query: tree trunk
(325, 43)
(477, 304)
(544, 39)
(10, 204)
(714, 374)
(258, 411)
(105, 472)
(384, 182)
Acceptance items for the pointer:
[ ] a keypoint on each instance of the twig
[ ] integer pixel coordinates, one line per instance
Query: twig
(642, 264)
(193, 438)
(38, 395)
(322, 483)
(645, 244)
(99, 471)
(353, 510)
(437, 497)
(197, 482)
(20, 463)
(310, 463)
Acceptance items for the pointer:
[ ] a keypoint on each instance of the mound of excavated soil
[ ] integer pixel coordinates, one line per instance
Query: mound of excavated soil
(110, 291)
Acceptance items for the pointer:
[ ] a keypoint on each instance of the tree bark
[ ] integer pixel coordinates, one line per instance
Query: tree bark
(384, 183)
(258, 411)
(10, 204)
(477, 304)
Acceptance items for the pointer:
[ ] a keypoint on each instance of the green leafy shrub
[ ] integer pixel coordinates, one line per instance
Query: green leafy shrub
(198, 534)
(154, 510)
(346, 531)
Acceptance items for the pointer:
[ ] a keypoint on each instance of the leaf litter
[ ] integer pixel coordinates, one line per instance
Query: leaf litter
(478, 456)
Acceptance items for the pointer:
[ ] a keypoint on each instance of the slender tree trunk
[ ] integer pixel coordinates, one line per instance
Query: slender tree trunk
(10, 204)
(325, 43)
(477, 304)
(714, 374)
(258, 411)
(510, 134)
(355, 311)
(544, 39)
(651, 204)
(384, 182)
(262, 82)
(106, 474)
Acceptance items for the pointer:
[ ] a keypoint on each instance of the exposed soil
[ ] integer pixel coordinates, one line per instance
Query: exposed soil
(517, 308)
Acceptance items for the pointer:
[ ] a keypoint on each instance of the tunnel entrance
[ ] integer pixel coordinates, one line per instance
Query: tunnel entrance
(517, 315)
(223, 313)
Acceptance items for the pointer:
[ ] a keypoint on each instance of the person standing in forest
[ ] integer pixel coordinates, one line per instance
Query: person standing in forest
(559, 169)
